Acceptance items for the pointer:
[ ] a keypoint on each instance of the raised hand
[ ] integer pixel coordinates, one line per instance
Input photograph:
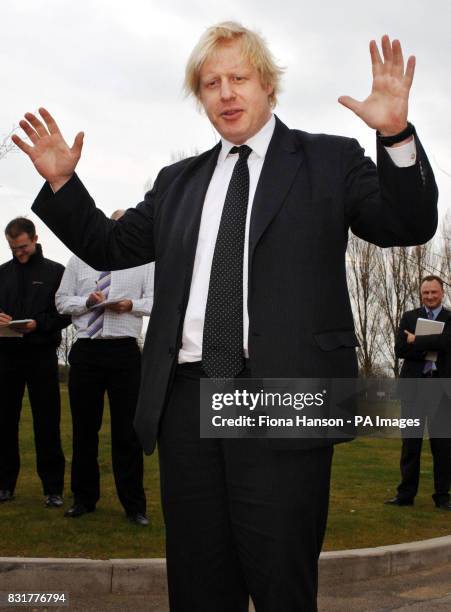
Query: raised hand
(386, 107)
(49, 152)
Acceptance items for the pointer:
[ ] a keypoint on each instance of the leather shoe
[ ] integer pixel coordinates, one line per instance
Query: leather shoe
(397, 501)
(443, 505)
(6, 495)
(138, 518)
(78, 510)
(53, 501)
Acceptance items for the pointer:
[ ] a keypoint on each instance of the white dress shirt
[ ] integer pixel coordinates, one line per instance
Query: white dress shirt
(135, 284)
(193, 326)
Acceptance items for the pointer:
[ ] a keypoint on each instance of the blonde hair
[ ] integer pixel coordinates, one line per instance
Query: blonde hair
(254, 49)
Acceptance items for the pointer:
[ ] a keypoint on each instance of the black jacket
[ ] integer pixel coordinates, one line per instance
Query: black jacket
(414, 354)
(311, 190)
(27, 291)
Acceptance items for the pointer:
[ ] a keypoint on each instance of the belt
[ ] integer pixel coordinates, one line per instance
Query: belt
(195, 367)
(99, 341)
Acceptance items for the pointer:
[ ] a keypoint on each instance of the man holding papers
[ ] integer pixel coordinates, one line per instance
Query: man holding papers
(107, 310)
(424, 342)
(30, 333)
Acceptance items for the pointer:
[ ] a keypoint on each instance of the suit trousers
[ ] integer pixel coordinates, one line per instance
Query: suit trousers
(433, 408)
(410, 468)
(241, 518)
(35, 367)
(441, 454)
(111, 366)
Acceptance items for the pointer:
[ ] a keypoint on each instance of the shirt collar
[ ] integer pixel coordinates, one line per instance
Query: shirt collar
(259, 143)
(435, 312)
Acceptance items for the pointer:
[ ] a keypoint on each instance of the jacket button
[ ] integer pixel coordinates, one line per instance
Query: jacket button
(171, 351)
(180, 308)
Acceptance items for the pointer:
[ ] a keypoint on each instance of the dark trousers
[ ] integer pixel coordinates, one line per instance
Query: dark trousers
(111, 366)
(35, 367)
(241, 519)
(438, 423)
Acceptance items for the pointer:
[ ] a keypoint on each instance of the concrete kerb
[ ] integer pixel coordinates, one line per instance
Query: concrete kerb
(78, 576)
(18, 574)
(139, 576)
(364, 563)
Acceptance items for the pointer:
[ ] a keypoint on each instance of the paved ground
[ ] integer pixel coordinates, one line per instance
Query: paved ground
(415, 592)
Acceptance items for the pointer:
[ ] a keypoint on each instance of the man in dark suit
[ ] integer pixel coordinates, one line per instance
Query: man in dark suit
(28, 359)
(415, 351)
(249, 243)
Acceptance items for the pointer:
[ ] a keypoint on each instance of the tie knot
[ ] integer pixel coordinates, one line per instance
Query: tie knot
(243, 151)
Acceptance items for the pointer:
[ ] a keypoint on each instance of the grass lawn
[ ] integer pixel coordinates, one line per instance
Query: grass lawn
(365, 473)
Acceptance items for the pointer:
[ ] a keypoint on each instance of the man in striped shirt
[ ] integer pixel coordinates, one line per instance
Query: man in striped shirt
(107, 310)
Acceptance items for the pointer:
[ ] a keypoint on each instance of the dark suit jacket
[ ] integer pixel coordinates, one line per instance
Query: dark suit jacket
(27, 291)
(312, 189)
(414, 354)
(425, 397)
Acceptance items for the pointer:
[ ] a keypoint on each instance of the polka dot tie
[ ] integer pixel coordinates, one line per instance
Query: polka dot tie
(222, 345)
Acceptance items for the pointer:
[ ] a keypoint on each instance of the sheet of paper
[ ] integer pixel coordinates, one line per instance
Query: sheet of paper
(19, 322)
(427, 327)
(106, 302)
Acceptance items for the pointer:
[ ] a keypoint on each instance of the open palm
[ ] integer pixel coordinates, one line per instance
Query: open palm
(49, 152)
(386, 108)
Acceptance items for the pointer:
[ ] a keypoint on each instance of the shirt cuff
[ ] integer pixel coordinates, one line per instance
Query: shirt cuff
(405, 155)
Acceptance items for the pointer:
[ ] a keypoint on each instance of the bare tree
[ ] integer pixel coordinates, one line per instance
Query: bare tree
(394, 290)
(362, 262)
(179, 155)
(445, 249)
(399, 275)
(67, 340)
(383, 284)
(148, 185)
(6, 144)
(175, 157)
(424, 260)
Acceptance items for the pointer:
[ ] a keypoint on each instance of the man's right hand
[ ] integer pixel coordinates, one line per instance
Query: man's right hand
(410, 337)
(96, 297)
(51, 155)
(4, 319)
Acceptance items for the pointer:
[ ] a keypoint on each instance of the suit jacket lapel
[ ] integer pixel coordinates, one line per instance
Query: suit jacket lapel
(443, 315)
(198, 178)
(282, 161)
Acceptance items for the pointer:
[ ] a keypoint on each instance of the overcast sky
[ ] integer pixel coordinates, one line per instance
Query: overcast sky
(115, 70)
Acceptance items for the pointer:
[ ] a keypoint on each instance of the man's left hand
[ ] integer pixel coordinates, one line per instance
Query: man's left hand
(120, 307)
(386, 107)
(25, 328)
